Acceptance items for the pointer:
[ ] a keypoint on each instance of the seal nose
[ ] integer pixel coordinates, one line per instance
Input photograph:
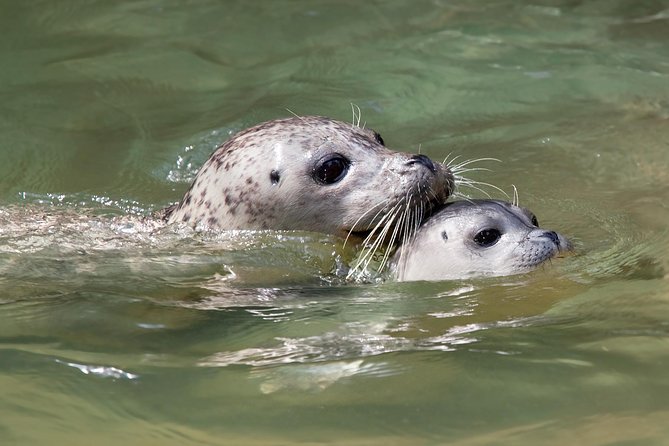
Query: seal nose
(552, 235)
(424, 161)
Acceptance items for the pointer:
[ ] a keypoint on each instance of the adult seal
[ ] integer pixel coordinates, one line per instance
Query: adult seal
(315, 174)
(476, 238)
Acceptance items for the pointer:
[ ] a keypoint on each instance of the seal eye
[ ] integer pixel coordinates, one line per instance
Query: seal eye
(332, 170)
(487, 237)
(378, 139)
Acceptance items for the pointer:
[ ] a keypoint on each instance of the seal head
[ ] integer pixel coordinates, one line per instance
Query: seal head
(476, 238)
(314, 174)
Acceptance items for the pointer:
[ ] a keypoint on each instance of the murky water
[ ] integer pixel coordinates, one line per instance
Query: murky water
(113, 330)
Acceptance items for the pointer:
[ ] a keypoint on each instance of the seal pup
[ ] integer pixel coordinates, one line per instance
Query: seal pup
(476, 238)
(316, 174)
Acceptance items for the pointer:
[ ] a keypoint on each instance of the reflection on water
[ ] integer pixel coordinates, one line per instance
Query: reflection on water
(116, 329)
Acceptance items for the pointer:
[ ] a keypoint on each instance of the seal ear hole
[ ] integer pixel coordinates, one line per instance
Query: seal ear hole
(487, 237)
(274, 176)
(444, 235)
(378, 139)
(331, 169)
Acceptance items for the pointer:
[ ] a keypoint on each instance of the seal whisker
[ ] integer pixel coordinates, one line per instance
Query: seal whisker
(407, 223)
(483, 191)
(293, 113)
(459, 171)
(433, 197)
(372, 246)
(446, 160)
(382, 236)
(464, 197)
(381, 223)
(471, 161)
(415, 211)
(393, 237)
(473, 184)
(419, 217)
(413, 215)
(410, 232)
(357, 115)
(367, 212)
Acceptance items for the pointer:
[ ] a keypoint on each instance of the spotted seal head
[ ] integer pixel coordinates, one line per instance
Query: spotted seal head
(315, 174)
(476, 238)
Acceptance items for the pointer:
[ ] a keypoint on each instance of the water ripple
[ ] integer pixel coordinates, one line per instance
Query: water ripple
(101, 371)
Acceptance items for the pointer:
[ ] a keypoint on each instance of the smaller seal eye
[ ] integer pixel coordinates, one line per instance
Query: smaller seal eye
(378, 139)
(487, 237)
(332, 170)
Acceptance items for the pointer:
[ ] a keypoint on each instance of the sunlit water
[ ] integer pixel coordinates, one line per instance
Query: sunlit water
(116, 330)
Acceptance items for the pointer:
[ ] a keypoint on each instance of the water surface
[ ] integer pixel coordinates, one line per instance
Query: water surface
(114, 331)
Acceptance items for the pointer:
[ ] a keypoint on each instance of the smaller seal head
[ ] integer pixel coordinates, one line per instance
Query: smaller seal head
(476, 238)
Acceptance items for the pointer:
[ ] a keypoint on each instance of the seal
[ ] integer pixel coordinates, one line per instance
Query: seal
(476, 238)
(316, 174)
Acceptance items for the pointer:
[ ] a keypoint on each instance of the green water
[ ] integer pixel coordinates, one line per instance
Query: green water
(114, 334)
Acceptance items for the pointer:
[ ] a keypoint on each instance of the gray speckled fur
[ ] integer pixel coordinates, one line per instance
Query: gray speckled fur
(262, 179)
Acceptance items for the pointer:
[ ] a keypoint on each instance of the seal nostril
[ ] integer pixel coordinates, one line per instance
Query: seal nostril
(424, 161)
(552, 235)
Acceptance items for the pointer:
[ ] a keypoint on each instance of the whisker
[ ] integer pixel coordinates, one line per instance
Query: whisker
(464, 182)
(446, 160)
(372, 246)
(379, 241)
(400, 226)
(459, 171)
(391, 242)
(463, 197)
(474, 160)
(361, 217)
(357, 115)
(382, 221)
(293, 113)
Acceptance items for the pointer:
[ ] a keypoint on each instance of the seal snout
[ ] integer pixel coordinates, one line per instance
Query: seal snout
(423, 161)
(562, 243)
(552, 236)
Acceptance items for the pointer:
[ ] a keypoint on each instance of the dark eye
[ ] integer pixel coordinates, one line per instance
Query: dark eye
(535, 222)
(487, 237)
(332, 170)
(378, 139)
